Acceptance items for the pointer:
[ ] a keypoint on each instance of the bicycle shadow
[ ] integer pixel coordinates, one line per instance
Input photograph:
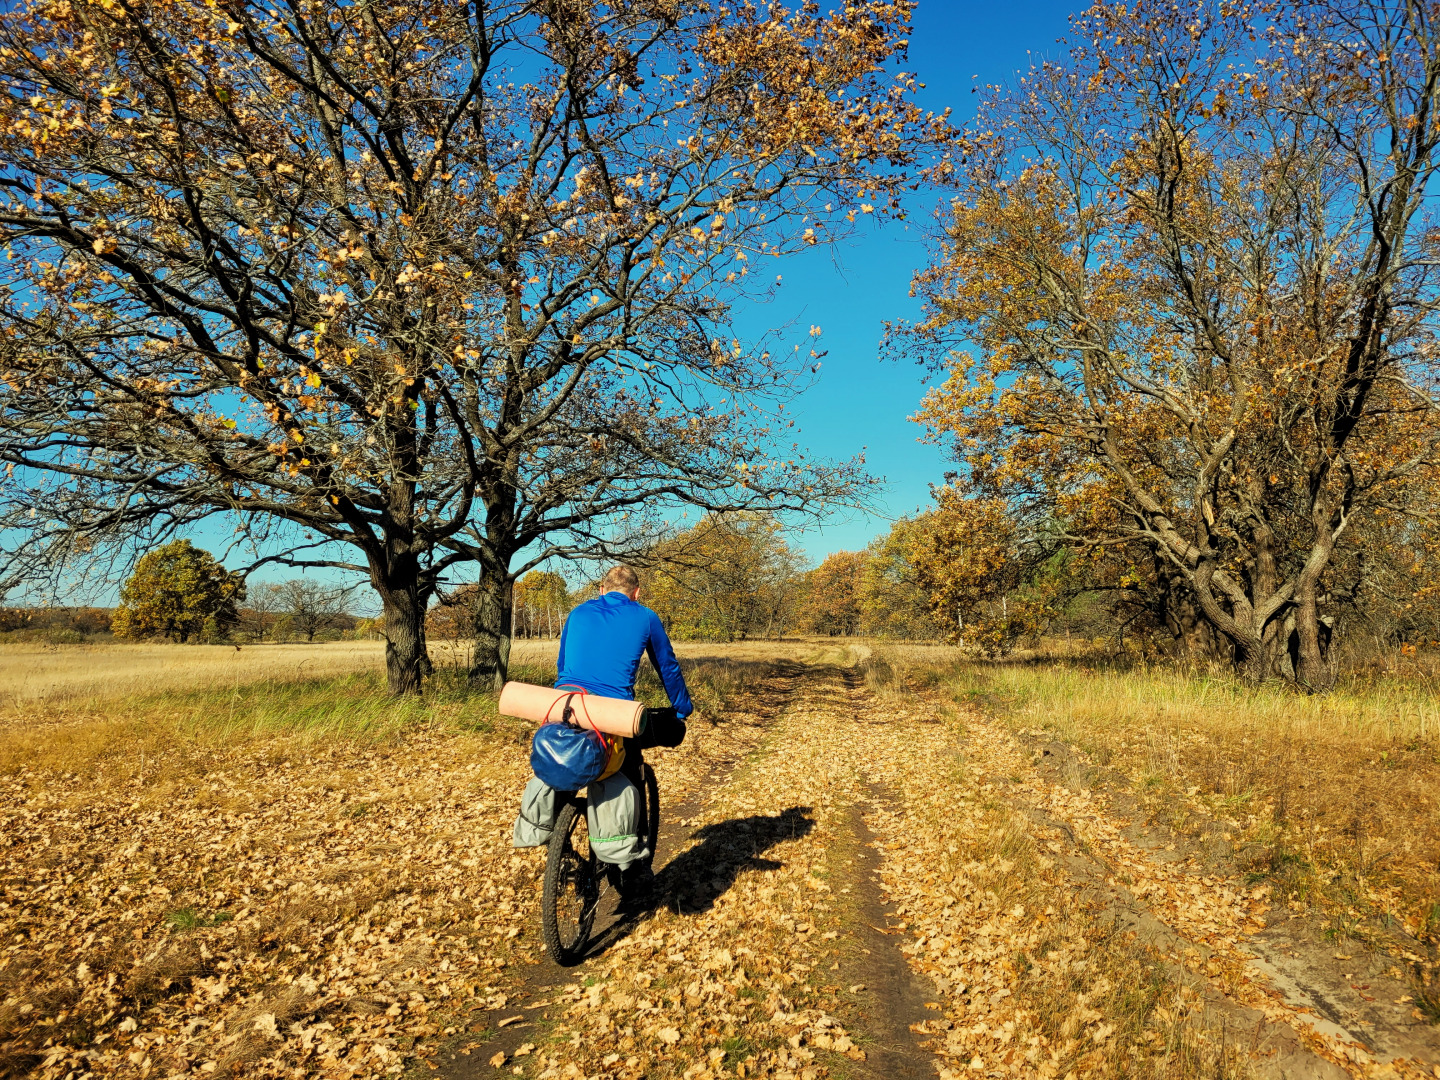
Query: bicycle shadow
(691, 882)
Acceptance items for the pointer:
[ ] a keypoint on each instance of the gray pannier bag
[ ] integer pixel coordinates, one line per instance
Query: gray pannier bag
(538, 810)
(612, 813)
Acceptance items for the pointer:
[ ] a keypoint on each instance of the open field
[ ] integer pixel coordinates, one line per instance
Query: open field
(33, 673)
(1335, 797)
(879, 861)
(47, 673)
(39, 673)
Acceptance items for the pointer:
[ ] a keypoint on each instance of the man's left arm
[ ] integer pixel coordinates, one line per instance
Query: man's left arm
(662, 655)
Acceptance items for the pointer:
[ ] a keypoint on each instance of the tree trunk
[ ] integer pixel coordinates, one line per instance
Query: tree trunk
(1252, 662)
(493, 614)
(406, 658)
(1313, 670)
(1193, 636)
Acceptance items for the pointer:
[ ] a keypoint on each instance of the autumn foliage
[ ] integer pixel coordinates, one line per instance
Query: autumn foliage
(832, 602)
(180, 593)
(726, 578)
(428, 284)
(1184, 311)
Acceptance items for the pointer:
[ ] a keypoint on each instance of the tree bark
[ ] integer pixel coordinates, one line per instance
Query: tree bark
(493, 626)
(406, 657)
(1313, 670)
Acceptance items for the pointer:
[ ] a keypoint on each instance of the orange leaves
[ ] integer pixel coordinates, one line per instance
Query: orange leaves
(1119, 321)
(832, 595)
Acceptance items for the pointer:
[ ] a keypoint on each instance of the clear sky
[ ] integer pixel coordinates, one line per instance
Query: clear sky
(860, 401)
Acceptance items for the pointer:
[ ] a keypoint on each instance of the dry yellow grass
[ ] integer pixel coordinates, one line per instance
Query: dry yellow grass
(33, 673)
(162, 718)
(51, 673)
(1333, 797)
(40, 673)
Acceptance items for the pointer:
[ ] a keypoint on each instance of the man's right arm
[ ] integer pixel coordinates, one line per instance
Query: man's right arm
(662, 655)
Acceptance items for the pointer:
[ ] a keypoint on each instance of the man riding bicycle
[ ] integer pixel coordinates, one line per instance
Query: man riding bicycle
(600, 649)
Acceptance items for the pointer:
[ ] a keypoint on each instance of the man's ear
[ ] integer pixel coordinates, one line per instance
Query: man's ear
(636, 594)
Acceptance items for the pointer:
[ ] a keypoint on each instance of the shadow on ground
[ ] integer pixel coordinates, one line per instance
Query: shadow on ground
(692, 881)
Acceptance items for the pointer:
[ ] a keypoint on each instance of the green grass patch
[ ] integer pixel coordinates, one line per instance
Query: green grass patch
(187, 918)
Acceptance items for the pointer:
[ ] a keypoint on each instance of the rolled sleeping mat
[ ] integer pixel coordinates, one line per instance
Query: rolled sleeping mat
(546, 704)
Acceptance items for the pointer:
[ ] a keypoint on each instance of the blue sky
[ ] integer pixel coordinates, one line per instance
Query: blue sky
(860, 401)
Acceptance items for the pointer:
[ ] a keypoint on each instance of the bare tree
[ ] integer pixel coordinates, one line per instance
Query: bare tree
(313, 606)
(429, 283)
(261, 612)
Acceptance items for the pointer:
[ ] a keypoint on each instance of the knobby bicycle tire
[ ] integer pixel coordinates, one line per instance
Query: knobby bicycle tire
(572, 889)
(651, 792)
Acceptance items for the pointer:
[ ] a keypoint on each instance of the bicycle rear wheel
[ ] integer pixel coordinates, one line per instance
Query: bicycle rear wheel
(572, 887)
(650, 814)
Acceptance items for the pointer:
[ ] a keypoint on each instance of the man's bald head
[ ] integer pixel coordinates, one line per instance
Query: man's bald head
(620, 578)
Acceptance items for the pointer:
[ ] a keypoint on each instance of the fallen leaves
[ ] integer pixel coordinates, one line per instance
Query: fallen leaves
(302, 912)
(358, 940)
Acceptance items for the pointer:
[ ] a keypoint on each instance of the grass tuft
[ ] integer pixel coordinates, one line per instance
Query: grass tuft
(187, 918)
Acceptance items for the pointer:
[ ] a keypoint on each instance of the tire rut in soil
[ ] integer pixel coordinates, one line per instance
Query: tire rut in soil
(896, 993)
(894, 996)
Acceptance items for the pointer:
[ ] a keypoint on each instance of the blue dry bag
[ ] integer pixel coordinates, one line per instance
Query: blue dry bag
(567, 758)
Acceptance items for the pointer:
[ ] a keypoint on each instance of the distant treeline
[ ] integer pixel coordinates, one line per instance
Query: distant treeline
(181, 593)
(731, 578)
(55, 625)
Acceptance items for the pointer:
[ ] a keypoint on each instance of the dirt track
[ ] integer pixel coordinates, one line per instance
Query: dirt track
(866, 877)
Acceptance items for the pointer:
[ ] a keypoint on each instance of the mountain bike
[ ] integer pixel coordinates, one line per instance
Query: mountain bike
(575, 880)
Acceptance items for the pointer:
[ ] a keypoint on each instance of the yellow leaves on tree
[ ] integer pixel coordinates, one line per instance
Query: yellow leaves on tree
(417, 311)
(967, 557)
(542, 600)
(725, 579)
(832, 602)
(1138, 351)
(890, 592)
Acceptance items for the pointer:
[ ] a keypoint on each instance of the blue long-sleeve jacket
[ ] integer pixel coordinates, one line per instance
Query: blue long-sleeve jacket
(601, 646)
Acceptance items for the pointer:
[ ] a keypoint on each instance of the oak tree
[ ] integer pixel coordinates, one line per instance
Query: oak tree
(891, 593)
(263, 613)
(178, 592)
(1185, 301)
(832, 601)
(404, 288)
(727, 578)
(312, 606)
(975, 562)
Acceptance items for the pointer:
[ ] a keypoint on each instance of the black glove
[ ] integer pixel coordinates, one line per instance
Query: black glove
(663, 727)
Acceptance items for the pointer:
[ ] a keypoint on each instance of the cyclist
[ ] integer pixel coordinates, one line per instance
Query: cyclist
(600, 649)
